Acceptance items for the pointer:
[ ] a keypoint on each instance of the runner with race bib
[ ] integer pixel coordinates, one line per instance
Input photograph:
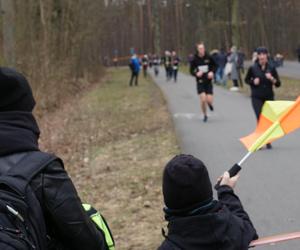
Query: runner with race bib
(203, 68)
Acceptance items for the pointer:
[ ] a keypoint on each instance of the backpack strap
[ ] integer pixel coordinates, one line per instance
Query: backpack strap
(31, 164)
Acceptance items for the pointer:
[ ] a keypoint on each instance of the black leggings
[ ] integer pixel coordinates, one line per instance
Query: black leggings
(258, 103)
(235, 83)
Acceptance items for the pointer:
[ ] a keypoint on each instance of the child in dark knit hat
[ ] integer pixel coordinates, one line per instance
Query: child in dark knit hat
(196, 220)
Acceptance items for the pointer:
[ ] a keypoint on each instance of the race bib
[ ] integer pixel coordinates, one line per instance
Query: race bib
(203, 68)
(175, 67)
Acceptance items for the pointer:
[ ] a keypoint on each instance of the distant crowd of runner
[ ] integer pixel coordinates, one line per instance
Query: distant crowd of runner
(217, 66)
(229, 64)
(170, 61)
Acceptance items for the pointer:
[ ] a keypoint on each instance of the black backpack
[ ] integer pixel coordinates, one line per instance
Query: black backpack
(22, 224)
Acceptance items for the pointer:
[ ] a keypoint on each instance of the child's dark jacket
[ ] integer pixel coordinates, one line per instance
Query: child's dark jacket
(226, 226)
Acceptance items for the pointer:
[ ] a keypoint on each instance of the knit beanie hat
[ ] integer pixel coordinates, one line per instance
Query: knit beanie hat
(15, 92)
(186, 183)
(262, 50)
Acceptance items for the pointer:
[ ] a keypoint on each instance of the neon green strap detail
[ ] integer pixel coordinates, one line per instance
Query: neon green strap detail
(86, 207)
(98, 220)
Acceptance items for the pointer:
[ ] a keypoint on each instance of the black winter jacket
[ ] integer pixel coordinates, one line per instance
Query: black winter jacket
(202, 62)
(166, 61)
(225, 227)
(265, 88)
(66, 221)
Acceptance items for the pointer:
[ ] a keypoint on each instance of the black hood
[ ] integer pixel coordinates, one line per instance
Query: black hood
(19, 132)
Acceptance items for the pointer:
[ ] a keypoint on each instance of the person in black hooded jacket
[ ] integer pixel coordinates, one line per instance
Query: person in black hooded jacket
(68, 225)
(262, 78)
(195, 220)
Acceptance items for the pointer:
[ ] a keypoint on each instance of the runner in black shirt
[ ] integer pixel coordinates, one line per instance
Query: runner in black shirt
(175, 65)
(167, 62)
(203, 68)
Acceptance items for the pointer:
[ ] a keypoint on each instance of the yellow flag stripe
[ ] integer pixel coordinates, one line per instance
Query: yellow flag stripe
(272, 133)
(274, 109)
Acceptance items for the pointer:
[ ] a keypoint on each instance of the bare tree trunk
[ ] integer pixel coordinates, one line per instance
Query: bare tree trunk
(141, 30)
(229, 22)
(149, 45)
(261, 23)
(181, 25)
(157, 36)
(8, 10)
(46, 61)
(235, 23)
(177, 22)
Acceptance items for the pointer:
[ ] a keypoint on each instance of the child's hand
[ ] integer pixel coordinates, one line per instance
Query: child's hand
(226, 180)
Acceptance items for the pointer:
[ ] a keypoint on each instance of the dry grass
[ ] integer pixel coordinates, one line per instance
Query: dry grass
(115, 141)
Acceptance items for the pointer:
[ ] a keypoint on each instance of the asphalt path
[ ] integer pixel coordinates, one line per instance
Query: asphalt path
(269, 183)
(290, 69)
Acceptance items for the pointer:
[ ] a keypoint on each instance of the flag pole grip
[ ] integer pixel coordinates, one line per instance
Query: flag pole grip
(233, 171)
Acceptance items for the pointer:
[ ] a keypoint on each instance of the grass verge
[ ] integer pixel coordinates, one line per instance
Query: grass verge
(115, 140)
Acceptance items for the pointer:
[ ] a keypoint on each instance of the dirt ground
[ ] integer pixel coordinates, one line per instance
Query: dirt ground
(115, 140)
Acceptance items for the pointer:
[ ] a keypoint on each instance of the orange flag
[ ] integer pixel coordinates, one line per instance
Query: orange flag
(277, 119)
